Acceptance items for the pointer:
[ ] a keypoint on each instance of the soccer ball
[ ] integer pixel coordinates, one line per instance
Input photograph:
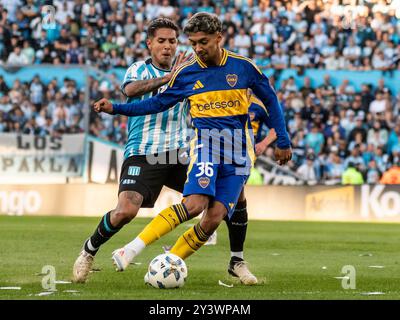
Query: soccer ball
(166, 271)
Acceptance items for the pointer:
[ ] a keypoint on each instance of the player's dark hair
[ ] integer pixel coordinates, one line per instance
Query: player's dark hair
(159, 24)
(203, 22)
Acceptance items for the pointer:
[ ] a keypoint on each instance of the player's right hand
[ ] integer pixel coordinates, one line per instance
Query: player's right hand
(282, 156)
(103, 105)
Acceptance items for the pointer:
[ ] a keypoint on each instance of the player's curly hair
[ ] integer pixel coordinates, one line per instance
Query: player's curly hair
(203, 22)
(160, 23)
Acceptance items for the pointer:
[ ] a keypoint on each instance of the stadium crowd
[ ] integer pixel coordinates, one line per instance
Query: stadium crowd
(333, 128)
(329, 34)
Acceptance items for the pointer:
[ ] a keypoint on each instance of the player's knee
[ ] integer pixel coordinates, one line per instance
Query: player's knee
(123, 214)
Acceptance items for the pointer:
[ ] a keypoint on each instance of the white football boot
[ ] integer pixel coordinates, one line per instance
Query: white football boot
(238, 268)
(121, 258)
(82, 267)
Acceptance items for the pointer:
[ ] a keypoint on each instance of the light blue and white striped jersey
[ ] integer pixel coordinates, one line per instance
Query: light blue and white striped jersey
(154, 133)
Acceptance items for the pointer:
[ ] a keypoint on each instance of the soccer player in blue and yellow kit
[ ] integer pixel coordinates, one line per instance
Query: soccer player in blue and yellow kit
(162, 133)
(215, 85)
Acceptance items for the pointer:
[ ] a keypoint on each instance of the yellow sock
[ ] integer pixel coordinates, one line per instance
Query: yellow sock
(166, 221)
(190, 242)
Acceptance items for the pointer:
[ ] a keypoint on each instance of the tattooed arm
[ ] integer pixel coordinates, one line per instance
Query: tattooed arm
(141, 87)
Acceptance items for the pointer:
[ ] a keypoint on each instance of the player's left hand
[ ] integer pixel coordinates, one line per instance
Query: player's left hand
(282, 156)
(180, 59)
(260, 148)
(103, 105)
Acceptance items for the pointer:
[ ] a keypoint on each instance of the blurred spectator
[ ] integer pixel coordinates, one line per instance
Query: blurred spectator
(351, 175)
(355, 158)
(392, 175)
(373, 173)
(36, 91)
(242, 43)
(315, 139)
(333, 168)
(376, 135)
(16, 58)
(307, 170)
(279, 60)
(394, 137)
(379, 104)
(74, 53)
(3, 86)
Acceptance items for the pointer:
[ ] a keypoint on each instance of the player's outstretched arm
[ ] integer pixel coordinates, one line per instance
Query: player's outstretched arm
(148, 106)
(161, 102)
(140, 87)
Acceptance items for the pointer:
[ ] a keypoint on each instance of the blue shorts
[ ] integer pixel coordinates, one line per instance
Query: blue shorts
(223, 182)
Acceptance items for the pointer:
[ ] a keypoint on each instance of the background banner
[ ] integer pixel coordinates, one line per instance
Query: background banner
(41, 156)
(367, 203)
(104, 161)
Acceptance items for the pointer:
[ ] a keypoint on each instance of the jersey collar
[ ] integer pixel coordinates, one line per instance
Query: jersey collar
(150, 61)
(222, 63)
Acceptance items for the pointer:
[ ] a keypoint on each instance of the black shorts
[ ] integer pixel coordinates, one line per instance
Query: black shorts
(138, 175)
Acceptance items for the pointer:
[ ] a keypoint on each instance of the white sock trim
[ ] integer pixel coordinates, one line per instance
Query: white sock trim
(90, 246)
(237, 254)
(134, 247)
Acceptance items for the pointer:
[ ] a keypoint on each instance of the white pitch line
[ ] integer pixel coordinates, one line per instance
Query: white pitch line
(371, 293)
(224, 284)
(46, 293)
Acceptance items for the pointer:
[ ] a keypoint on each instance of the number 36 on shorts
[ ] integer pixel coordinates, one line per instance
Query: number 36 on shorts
(205, 168)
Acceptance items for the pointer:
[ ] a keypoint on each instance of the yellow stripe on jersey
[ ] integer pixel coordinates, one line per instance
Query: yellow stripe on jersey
(192, 154)
(185, 65)
(250, 147)
(201, 63)
(224, 57)
(220, 103)
(233, 55)
(255, 125)
(254, 99)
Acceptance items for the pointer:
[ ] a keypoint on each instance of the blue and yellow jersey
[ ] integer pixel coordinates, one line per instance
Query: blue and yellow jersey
(218, 100)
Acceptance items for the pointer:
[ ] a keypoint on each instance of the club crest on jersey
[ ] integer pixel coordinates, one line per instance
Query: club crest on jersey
(204, 182)
(232, 79)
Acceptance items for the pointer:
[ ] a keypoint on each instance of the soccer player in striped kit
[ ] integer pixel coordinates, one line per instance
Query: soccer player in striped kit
(158, 134)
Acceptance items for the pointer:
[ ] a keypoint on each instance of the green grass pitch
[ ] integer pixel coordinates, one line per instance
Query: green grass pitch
(292, 260)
